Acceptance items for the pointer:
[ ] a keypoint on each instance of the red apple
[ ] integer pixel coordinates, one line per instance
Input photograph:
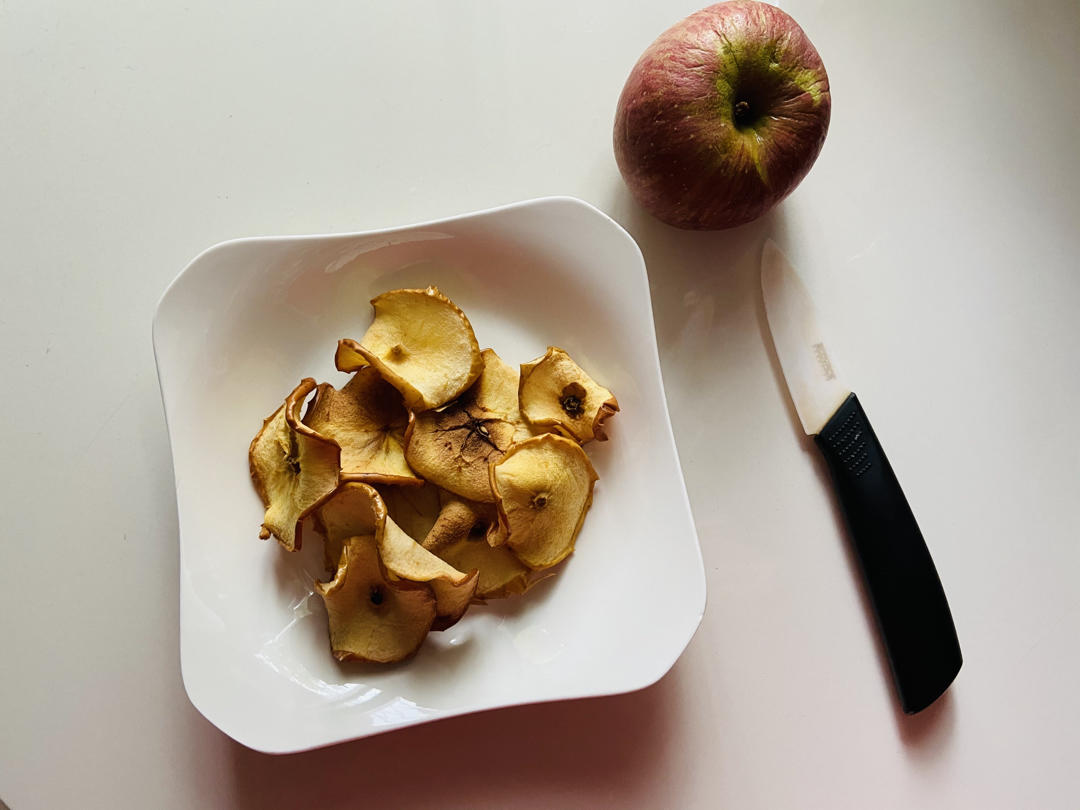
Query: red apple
(722, 116)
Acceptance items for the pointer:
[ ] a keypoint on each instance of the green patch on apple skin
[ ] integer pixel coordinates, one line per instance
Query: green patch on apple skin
(810, 83)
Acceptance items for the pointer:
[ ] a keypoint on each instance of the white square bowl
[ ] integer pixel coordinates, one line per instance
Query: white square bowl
(248, 318)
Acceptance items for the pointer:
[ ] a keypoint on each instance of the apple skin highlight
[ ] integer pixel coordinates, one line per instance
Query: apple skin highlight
(722, 116)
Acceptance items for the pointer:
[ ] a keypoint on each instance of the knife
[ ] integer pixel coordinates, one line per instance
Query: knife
(909, 603)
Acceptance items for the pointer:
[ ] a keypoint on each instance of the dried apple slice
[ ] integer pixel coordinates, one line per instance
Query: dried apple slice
(348, 358)
(453, 448)
(501, 572)
(367, 418)
(457, 517)
(556, 392)
(422, 344)
(543, 489)
(357, 509)
(496, 391)
(292, 468)
(433, 516)
(414, 509)
(372, 616)
(354, 509)
(407, 559)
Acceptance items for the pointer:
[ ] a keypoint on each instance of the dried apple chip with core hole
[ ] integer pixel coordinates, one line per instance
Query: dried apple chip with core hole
(556, 392)
(543, 489)
(367, 418)
(453, 448)
(422, 344)
(292, 468)
(501, 572)
(372, 616)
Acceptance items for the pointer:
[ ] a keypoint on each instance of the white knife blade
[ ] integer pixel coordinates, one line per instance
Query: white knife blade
(809, 371)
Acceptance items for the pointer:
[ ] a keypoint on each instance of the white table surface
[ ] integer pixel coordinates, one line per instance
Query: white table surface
(938, 233)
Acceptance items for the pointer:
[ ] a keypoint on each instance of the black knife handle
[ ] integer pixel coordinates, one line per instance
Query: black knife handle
(909, 602)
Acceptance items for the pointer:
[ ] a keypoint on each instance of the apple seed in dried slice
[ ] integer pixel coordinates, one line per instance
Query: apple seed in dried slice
(543, 489)
(422, 344)
(292, 468)
(372, 616)
(556, 392)
(367, 418)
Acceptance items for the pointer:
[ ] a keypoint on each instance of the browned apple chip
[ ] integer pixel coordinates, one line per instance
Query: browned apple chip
(543, 489)
(556, 392)
(374, 617)
(422, 344)
(453, 447)
(457, 517)
(367, 418)
(292, 467)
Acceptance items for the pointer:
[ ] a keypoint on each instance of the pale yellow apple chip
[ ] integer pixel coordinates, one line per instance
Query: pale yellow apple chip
(496, 391)
(367, 418)
(501, 572)
(422, 344)
(374, 617)
(453, 448)
(543, 489)
(556, 392)
(407, 559)
(292, 468)
(348, 358)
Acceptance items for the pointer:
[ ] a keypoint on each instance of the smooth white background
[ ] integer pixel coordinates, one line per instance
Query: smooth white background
(938, 233)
